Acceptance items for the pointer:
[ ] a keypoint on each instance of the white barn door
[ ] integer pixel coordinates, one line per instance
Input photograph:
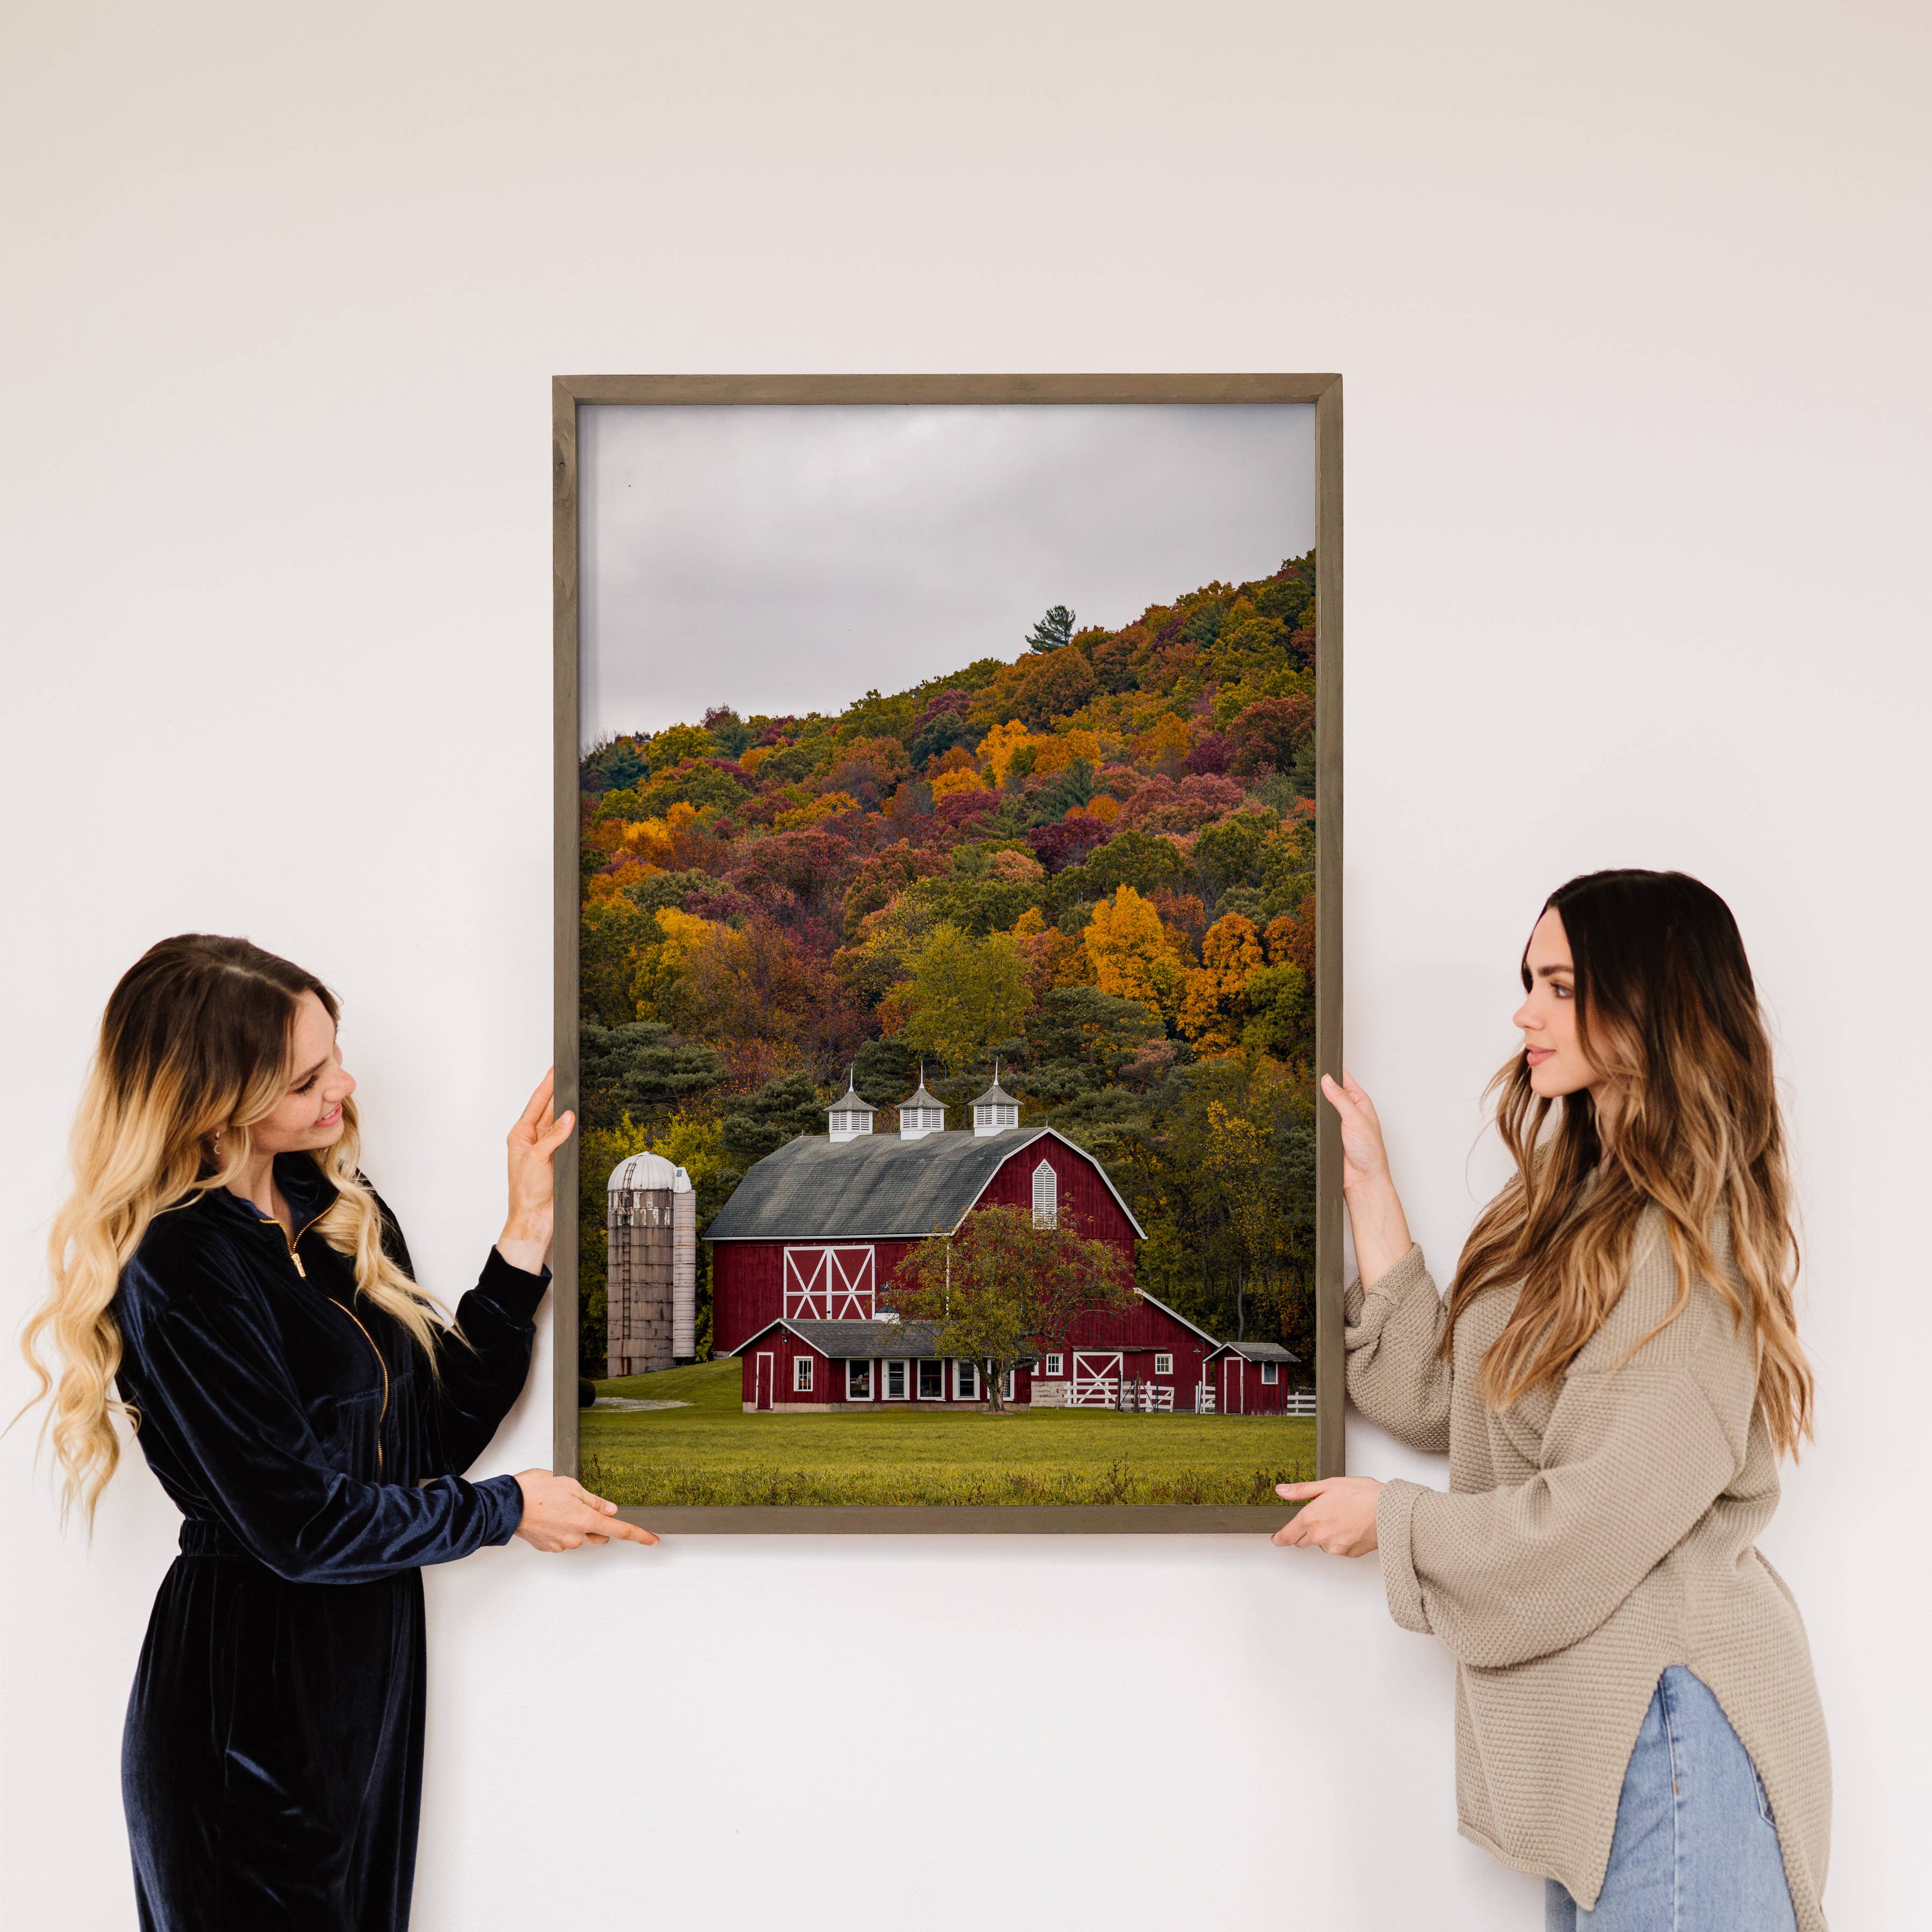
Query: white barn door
(829, 1284)
(1097, 1379)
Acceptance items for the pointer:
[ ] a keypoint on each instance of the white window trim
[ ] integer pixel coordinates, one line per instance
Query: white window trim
(1271, 1373)
(801, 1375)
(886, 1381)
(941, 1396)
(1053, 1368)
(1163, 1364)
(871, 1394)
(960, 1370)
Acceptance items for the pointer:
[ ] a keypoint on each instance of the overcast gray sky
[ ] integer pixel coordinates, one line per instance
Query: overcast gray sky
(790, 559)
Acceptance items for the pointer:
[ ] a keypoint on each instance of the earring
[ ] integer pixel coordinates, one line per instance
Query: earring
(217, 1143)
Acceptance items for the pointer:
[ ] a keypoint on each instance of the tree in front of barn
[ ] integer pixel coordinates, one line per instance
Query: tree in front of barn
(1004, 1289)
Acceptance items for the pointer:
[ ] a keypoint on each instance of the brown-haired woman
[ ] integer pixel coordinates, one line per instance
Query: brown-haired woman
(1614, 1375)
(223, 1265)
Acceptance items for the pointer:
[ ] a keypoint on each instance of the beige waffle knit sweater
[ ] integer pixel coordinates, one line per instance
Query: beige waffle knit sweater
(1592, 1535)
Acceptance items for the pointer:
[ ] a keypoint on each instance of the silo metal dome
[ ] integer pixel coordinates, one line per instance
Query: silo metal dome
(648, 1172)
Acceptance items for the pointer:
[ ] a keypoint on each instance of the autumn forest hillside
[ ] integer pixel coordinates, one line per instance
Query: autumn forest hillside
(1094, 862)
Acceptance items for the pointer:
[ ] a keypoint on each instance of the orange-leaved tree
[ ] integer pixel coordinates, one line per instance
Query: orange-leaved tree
(1005, 1288)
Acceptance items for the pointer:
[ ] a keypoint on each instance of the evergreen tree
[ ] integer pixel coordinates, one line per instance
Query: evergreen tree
(1052, 630)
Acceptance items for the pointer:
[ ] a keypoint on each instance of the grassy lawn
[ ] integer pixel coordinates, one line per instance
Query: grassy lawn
(711, 1452)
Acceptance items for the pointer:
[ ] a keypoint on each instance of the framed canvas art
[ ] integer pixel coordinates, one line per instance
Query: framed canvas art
(948, 854)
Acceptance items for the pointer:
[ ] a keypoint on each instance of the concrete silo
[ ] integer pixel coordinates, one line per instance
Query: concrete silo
(651, 1217)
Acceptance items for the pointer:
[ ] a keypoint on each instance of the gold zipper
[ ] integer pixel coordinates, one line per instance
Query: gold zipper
(383, 1364)
(382, 1361)
(268, 1220)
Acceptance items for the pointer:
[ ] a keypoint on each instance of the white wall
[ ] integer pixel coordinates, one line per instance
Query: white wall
(1630, 305)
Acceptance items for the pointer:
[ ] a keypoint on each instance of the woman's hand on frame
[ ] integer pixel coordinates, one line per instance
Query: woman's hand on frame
(1375, 1218)
(1337, 1516)
(560, 1514)
(532, 1144)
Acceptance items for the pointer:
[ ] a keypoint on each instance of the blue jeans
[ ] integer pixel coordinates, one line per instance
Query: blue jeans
(1696, 1847)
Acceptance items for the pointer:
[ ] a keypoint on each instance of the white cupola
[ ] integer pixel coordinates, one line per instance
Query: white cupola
(851, 1116)
(995, 1110)
(922, 1114)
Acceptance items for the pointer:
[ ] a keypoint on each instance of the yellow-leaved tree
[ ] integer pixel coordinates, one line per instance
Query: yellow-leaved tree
(1132, 955)
(1215, 1006)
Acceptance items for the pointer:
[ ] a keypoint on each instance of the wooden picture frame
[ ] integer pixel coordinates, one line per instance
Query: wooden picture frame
(571, 393)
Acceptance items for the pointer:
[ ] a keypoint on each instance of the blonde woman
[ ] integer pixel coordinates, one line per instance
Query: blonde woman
(224, 1266)
(1614, 1375)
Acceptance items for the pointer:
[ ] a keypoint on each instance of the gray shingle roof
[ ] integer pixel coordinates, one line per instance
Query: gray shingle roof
(861, 1341)
(1257, 1351)
(879, 1187)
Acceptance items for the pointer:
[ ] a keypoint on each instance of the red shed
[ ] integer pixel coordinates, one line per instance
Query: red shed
(1253, 1378)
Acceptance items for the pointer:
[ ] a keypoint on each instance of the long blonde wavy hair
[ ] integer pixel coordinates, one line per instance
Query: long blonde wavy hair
(194, 1047)
(1667, 1012)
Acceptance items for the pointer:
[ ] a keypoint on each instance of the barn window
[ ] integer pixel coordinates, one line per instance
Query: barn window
(858, 1381)
(895, 1382)
(932, 1381)
(966, 1380)
(1271, 1371)
(801, 1375)
(1045, 1197)
(1054, 1365)
(1163, 1365)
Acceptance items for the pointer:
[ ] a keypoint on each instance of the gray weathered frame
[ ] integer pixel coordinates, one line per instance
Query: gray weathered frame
(567, 393)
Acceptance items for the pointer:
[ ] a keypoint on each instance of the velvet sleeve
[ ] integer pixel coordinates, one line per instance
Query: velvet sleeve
(483, 1363)
(212, 1381)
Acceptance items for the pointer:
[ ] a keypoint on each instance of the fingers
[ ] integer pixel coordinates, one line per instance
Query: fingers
(1300, 1493)
(539, 1106)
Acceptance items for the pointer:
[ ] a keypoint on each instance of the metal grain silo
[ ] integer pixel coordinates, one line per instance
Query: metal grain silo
(651, 1218)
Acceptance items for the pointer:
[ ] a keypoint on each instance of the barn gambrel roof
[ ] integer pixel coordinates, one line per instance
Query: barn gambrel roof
(877, 1188)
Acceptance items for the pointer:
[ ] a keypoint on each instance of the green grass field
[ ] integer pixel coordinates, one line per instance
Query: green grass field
(711, 1452)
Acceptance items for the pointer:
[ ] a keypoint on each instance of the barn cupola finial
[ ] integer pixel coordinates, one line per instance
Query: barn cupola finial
(921, 1115)
(851, 1113)
(995, 1110)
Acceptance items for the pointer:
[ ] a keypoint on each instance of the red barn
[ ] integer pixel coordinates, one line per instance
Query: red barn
(811, 1238)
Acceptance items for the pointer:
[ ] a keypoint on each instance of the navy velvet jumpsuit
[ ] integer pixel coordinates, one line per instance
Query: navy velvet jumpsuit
(271, 1766)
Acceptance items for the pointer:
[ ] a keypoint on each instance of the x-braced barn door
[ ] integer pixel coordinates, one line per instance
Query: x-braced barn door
(828, 1284)
(1096, 1380)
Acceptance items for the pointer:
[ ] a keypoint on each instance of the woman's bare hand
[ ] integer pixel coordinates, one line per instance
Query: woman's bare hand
(1375, 1218)
(1337, 1516)
(560, 1514)
(532, 1143)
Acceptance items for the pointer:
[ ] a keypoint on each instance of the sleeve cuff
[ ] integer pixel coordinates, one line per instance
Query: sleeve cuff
(1361, 1325)
(515, 1292)
(503, 1503)
(1395, 1510)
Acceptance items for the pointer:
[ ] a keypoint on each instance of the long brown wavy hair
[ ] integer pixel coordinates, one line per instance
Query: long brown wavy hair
(194, 1043)
(1667, 1012)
